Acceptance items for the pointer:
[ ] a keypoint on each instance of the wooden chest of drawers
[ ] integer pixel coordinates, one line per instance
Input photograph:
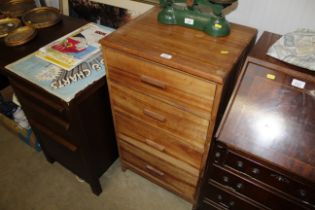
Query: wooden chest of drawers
(166, 85)
(263, 156)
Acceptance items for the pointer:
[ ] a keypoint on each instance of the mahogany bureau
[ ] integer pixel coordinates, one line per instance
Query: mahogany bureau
(166, 84)
(263, 156)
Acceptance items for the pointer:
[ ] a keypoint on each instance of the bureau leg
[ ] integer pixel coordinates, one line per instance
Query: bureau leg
(96, 187)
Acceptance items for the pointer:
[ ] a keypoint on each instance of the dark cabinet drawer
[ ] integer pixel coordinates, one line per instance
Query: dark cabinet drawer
(305, 194)
(62, 151)
(42, 99)
(216, 198)
(238, 184)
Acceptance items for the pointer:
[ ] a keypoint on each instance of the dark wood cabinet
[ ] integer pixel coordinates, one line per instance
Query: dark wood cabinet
(78, 134)
(263, 155)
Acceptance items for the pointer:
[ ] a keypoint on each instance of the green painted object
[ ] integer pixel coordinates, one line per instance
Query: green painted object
(213, 23)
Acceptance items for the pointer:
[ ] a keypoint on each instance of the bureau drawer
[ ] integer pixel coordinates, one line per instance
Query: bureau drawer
(179, 123)
(179, 89)
(136, 130)
(159, 171)
(217, 198)
(267, 176)
(241, 185)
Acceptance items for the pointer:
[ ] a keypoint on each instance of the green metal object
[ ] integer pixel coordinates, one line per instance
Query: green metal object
(191, 15)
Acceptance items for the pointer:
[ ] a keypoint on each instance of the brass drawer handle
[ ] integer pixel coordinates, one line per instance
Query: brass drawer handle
(151, 168)
(152, 82)
(280, 178)
(154, 115)
(155, 145)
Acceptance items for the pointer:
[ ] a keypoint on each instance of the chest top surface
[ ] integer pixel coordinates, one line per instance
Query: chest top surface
(271, 113)
(191, 51)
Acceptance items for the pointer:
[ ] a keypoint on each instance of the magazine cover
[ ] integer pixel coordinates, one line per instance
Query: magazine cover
(57, 81)
(74, 48)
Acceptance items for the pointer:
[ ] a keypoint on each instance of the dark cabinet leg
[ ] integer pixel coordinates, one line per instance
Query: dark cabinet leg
(96, 187)
(49, 158)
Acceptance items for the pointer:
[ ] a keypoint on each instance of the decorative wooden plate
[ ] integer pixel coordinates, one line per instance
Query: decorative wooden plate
(16, 8)
(20, 36)
(7, 25)
(42, 17)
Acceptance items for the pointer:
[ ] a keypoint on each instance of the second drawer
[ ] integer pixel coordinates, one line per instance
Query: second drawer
(161, 115)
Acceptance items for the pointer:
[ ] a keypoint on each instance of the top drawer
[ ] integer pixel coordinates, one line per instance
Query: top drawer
(40, 97)
(179, 89)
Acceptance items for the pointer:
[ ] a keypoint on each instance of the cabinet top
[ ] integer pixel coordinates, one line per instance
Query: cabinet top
(191, 51)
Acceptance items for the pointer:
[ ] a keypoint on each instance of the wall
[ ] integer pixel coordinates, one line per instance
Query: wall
(279, 16)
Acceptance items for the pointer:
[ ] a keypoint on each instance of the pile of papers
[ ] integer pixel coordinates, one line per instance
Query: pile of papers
(74, 48)
(68, 65)
(297, 48)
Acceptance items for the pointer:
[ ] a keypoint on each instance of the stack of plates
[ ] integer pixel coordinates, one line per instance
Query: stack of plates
(16, 8)
(8, 25)
(32, 17)
(41, 17)
(20, 36)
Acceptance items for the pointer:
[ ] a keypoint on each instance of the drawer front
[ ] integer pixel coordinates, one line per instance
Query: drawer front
(41, 98)
(179, 89)
(159, 170)
(157, 139)
(300, 191)
(179, 123)
(62, 151)
(40, 128)
(221, 198)
(240, 185)
(34, 111)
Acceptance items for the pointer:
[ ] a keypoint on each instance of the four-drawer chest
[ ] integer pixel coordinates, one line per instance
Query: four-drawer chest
(166, 85)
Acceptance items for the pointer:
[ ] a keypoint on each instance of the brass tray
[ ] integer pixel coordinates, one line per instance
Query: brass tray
(20, 36)
(16, 8)
(42, 17)
(7, 25)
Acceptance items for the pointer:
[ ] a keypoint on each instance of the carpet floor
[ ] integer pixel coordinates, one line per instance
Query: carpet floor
(29, 182)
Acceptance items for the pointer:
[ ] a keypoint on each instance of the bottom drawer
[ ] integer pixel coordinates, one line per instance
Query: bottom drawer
(159, 171)
(215, 198)
(66, 157)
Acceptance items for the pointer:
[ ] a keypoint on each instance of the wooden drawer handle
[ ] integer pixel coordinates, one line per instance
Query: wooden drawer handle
(151, 168)
(154, 115)
(53, 136)
(153, 82)
(155, 145)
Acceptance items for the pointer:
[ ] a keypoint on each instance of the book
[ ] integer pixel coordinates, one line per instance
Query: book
(72, 49)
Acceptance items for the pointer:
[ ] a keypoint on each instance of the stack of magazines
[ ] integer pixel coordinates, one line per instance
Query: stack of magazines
(74, 48)
(68, 65)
